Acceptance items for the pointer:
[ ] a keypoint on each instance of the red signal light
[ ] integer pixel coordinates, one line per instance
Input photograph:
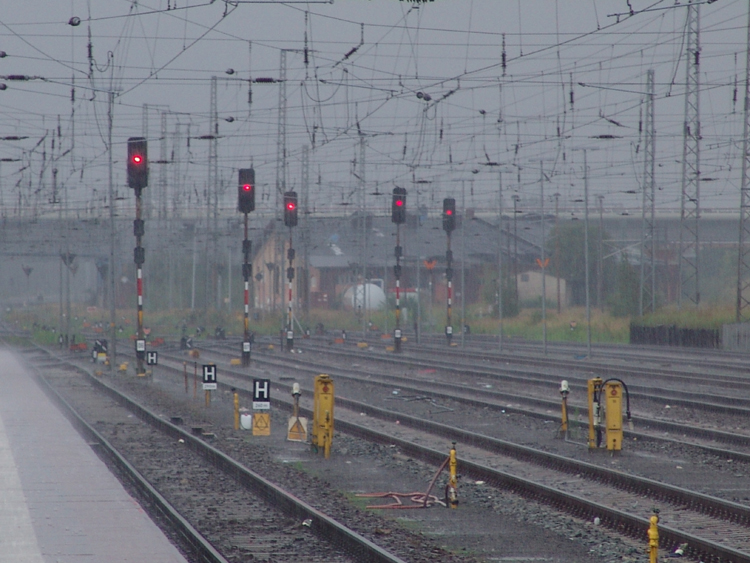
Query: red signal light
(449, 212)
(399, 202)
(137, 162)
(246, 190)
(290, 209)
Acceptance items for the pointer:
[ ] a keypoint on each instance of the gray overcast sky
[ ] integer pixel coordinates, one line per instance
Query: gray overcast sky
(164, 53)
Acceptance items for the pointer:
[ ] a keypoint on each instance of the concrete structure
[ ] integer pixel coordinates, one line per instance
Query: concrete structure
(58, 501)
(530, 288)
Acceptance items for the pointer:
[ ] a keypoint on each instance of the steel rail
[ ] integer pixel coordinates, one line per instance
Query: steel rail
(630, 525)
(458, 393)
(720, 403)
(321, 524)
(188, 537)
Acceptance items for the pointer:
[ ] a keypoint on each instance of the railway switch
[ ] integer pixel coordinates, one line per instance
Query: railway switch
(605, 412)
(322, 428)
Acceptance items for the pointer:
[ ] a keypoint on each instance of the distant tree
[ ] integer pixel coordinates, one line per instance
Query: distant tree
(625, 299)
(566, 249)
(489, 291)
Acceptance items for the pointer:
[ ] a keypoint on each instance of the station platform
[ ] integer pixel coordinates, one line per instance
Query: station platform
(58, 501)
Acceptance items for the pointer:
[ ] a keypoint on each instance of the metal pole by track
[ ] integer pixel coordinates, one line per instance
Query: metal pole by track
(586, 251)
(500, 262)
(112, 238)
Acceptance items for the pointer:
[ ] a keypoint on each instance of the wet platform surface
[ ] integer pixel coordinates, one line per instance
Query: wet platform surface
(58, 501)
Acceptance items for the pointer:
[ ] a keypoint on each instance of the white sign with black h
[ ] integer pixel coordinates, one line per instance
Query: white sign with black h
(261, 394)
(209, 377)
(152, 358)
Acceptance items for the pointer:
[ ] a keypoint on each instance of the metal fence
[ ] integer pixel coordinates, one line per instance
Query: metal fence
(671, 335)
(736, 337)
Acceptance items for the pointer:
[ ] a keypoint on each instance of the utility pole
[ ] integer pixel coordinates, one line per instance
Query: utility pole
(281, 173)
(303, 282)
(363, 226)
(176, 183)
(516, 199)
(144, 134)
(647, 301)
(600, 257)
(690, 205)
(500, 260)
(212, 195)
(543, 262)
(463, 262)
(743, 263)
(557, 250)
(586, 250)
(112, 238)
(163, 160)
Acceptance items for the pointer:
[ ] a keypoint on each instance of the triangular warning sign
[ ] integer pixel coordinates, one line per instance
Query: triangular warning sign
(261, 424)
(297, 429)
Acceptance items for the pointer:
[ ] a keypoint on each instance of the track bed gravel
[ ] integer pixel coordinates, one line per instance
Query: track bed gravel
(490, 525)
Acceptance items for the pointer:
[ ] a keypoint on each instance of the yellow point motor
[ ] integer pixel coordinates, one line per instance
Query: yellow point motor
(322, 428)
(451, 489)
(605, 412)
(653, 538)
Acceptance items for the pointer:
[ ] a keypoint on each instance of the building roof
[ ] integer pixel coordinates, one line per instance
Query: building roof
(338, 242)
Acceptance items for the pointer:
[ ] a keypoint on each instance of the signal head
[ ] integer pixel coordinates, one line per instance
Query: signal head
(246, 190)
(449, 214)
(137, 163)
(290, 209)
(398, 206)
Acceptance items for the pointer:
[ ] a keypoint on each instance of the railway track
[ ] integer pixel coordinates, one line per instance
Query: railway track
(529, 405)
(575, 486)
(640, 384)
(661, 358)
(160, 459)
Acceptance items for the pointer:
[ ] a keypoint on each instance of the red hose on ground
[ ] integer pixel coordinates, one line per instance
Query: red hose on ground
(422, 500)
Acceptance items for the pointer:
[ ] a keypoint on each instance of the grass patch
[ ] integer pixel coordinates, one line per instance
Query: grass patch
(568, 326)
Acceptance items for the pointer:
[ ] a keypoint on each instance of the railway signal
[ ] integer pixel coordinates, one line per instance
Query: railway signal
(246, 204)
(137, 163)
(398, 206)
(290, 209)
(246, 190)
(138, 179)
(449, 214)
(449, 225)
(398, 216)
(290, 220)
